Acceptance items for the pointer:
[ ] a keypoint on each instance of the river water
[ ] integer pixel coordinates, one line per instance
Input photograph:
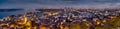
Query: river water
(8, 13)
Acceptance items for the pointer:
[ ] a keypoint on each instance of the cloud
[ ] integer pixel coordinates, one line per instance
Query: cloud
(60, 3)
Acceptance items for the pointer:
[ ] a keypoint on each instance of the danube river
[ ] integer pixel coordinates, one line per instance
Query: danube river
(8, 12)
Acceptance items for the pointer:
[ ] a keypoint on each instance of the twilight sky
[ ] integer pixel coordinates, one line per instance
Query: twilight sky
(59, 3)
